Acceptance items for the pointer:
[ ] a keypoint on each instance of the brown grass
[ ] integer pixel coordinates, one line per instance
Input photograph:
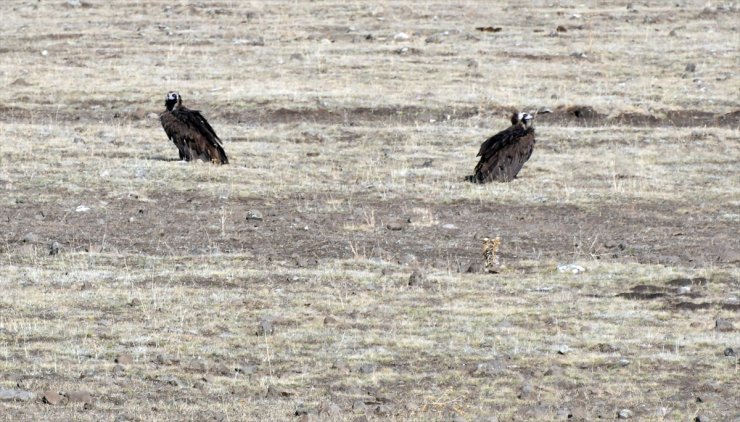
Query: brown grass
(335, 137)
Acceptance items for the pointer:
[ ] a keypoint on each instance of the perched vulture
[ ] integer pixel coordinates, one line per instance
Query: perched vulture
(191, 133)
(503, 154)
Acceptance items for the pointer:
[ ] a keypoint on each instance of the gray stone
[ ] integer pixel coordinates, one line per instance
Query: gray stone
(416, 278)
(266, 326)
(30, 238)
(526, 392)
(729, 352)
(722, 324)
(254, 215)
(16, 395)
(563, 414)
(624, 414)
(54, 248)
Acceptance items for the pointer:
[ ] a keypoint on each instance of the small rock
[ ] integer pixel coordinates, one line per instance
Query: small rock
(329, 410)
(690, 67)
(624, 414)
(223, 369)
(472, 268)
(79, 397)
(561, 28)
(367, 368)
(722, 324)
(729, 352)
(164, 359)
(54, 248)
(82, 208)
(401, 36)
(449, 226)
(563, 414)
(571, 268)
(254, 215)
(135, 302)
(172, 380)
(701, 418)
(266, 326)
(563, 349)
(273, 391)
(124, 359)
(491, 368)
(683, 290)
(395, 226)
(416, 278)
(359, 406)
(30, 238)
(246, 369)
(384, 410)
(52, 398)
(526, 392)
(330, 320)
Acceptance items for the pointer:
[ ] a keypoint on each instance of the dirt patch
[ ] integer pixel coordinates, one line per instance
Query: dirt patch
(301, 231)
(259, 113)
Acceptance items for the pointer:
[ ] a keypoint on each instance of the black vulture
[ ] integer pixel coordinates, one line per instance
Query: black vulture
(503, 154)
(190, 132)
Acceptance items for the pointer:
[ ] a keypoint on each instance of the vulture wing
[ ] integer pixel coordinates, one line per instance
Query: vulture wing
(503, 155)
(193, 135)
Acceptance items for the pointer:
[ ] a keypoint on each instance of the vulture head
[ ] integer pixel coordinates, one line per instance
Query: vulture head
(523, 118)
(171, 99)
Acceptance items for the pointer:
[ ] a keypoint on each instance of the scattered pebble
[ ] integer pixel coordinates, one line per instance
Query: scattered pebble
(416, 278)
(526, 392)
(563, 414)
(82, 208)
(395, 226)
(30, 238)
(401, 36)
(729, 352)
(254, 215)
(571, 268)
(266, 326)
(624, 414)
(722, 324)
(683, 290)
(273, 391)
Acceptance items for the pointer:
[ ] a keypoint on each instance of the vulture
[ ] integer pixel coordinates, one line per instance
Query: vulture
(190, 132)
(503, 154)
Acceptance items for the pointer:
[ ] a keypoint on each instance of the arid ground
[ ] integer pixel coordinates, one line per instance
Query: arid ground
(334, 269)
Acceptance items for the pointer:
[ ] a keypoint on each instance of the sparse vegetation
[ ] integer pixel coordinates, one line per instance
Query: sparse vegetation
(137, 288)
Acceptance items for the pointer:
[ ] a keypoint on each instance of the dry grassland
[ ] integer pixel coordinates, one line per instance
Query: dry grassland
(360, 292)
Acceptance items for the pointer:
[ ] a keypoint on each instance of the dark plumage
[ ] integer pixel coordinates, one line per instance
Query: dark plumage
(503, 154)
(190, 132)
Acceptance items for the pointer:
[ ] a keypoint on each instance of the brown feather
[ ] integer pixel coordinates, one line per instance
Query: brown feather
(192, 135)
(503, 155)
